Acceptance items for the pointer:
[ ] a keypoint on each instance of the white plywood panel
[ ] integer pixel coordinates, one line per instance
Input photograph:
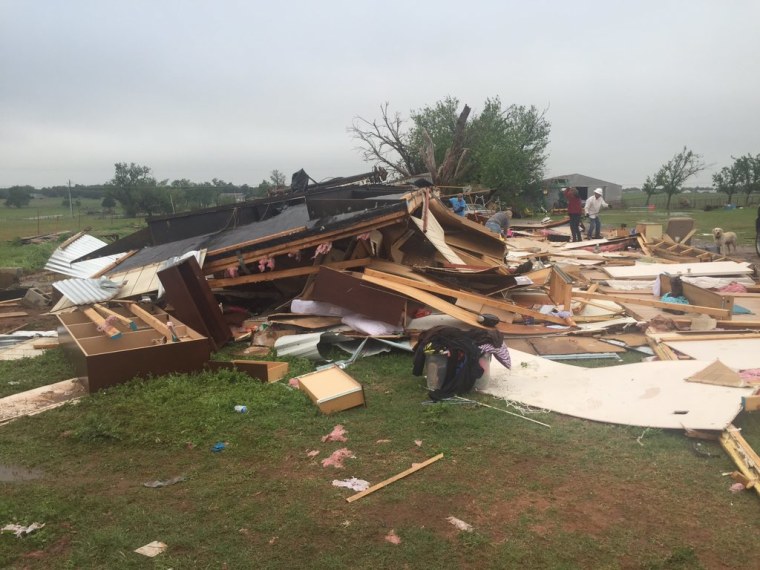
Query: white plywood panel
(648, 394)
(652, 270)
(738, 353)
(436, 236)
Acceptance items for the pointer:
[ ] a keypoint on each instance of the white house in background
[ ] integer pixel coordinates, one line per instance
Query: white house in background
(552, 187)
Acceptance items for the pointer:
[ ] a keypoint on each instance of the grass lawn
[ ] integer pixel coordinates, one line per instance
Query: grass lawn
(47, 215)
(577, 495)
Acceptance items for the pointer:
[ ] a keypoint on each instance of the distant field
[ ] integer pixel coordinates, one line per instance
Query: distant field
(47, 215)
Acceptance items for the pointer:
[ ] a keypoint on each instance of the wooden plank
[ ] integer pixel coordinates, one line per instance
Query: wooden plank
(108, 330)
(697, 295)
(652, 270)
(413, 469)
(560, 288)
(13, 315)
(373, 276)
(296, 245)
(153, 322)
(121, 318)
(722, 313)
(285, 273)
(668, 337)
(45, 344)
(572, 345)
(434, 233)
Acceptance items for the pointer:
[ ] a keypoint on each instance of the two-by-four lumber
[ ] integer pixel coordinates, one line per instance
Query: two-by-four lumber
(393, 479)
(372, 276)
(121, 318)
(295, 245)
(108, 330)
(712, 311)
(285, 273)
(151, 321)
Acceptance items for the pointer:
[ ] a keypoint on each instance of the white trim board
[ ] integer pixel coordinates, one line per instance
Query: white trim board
(652, 270)
(437, 237)
(647, 394)
(736, 353)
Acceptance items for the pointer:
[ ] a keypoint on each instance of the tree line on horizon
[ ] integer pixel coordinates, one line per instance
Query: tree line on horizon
(503, 148)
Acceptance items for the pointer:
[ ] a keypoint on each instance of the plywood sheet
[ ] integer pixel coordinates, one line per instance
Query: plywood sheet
(436, 236)
(738, 353)
(572, 345)
(652, 270)
(648, 394)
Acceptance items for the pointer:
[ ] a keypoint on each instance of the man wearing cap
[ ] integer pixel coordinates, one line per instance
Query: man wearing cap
(593, 207)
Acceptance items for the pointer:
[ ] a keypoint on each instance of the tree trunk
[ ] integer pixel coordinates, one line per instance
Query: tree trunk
(454, 158)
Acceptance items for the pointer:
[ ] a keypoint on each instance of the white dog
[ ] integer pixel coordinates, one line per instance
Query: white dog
(724, 240)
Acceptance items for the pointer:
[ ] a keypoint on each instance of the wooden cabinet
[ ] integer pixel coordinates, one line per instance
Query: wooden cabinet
(143, 352)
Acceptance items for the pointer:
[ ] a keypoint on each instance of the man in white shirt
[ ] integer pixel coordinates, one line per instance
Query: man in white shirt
(593, 207)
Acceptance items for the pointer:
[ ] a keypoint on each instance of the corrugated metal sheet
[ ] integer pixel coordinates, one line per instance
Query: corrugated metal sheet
(86, 291)
(61, 260)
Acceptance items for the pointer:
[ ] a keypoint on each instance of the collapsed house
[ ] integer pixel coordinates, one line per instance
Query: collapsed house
(370, 267)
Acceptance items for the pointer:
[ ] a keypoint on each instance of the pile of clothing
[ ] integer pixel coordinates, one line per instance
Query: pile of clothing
(463, 350)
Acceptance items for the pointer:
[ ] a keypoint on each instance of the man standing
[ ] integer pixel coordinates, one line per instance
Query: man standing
(593, 207)
(574, 210)
(459, 205)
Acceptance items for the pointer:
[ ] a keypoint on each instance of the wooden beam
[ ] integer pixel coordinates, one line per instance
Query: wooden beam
(121, 318)
(296, 245)
(108, 330)
(13, 315)
(377, 277)
(413, 469)
(712, 311)
(153, 322)
(285, 273)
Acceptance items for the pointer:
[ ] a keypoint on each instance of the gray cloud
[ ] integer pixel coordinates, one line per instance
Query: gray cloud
(235, 89)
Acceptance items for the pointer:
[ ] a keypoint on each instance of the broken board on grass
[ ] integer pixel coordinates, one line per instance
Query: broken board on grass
(40, 399)
(647, 394)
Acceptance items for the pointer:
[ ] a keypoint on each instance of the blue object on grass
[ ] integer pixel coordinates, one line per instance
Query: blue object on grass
(218, 446)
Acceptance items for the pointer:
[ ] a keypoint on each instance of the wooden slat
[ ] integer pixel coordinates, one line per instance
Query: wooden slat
(393, 479)
(369, 274)
(722, 313)
(285, 273)
(295, 245)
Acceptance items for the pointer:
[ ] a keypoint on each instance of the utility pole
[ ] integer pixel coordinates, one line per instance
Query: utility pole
(71, 204)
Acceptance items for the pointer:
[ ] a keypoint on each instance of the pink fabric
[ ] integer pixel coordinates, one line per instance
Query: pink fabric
(750, 376)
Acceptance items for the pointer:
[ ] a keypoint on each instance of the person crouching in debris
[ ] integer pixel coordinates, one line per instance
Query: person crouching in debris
(593, 207)
(499, 222)
(574, 210)
(459, 205)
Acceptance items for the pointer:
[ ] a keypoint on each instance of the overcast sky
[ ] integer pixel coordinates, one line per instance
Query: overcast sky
(233, 89)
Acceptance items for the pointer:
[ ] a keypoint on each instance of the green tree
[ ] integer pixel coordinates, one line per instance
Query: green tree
(509, 149)
(504, 147)
(727, 181)
(649, 188)
(18, 197)
(135, 188)
(748, 174)
(678, 170)
(108, 203)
